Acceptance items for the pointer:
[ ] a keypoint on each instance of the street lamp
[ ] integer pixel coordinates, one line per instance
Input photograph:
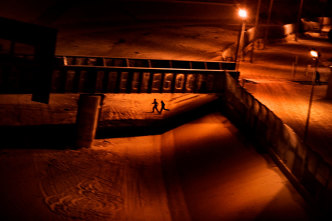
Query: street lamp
(243, 14)
(315, 56)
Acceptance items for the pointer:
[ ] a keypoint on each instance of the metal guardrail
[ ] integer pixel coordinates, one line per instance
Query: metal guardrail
(145, 63)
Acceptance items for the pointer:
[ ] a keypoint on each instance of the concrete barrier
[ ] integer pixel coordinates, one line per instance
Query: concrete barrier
(87, 119)
(304, 167)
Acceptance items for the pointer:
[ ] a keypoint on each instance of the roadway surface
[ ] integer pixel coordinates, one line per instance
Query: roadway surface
(203, 170)
(272, 80)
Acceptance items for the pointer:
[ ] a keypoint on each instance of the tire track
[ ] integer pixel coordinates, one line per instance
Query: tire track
(84, 184)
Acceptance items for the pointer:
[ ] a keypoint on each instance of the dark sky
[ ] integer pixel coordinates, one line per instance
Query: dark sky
(285, 11)
(46, 12)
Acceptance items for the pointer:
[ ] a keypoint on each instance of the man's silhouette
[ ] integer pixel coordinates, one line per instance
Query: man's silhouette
(155, 106)
(162, 107)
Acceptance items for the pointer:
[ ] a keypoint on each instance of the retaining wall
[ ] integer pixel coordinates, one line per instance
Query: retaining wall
(305, 168)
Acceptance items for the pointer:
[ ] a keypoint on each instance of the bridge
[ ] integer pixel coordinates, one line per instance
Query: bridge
(77, 74)
(42, 74)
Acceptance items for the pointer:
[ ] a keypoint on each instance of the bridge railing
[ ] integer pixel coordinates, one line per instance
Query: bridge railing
(97, 79)
(149, 63)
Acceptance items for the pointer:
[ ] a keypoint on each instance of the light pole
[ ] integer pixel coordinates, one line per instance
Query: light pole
(243, 15)
(315, 56)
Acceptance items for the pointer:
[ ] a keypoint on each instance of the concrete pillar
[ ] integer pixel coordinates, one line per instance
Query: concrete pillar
(87, 119)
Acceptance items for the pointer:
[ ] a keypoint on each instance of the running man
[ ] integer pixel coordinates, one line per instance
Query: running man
(155, 106)
(162, 107)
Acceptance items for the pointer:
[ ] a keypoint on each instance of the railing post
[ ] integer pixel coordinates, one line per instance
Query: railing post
(87, 119)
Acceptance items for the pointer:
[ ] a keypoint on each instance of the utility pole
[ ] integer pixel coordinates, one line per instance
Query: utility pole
(268, 22)
(256, 30)
(315, 56)
(298, 22)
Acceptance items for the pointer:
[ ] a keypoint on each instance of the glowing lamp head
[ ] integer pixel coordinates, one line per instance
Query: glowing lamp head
(243, 13)
(314, 54)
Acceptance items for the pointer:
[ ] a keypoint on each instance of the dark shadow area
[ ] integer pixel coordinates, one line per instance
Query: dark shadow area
(324, 100)
(310, 83)
(35, 137)
(278, 208)
(319, 38)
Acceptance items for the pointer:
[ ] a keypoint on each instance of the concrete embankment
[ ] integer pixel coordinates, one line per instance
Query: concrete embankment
(212, 172)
